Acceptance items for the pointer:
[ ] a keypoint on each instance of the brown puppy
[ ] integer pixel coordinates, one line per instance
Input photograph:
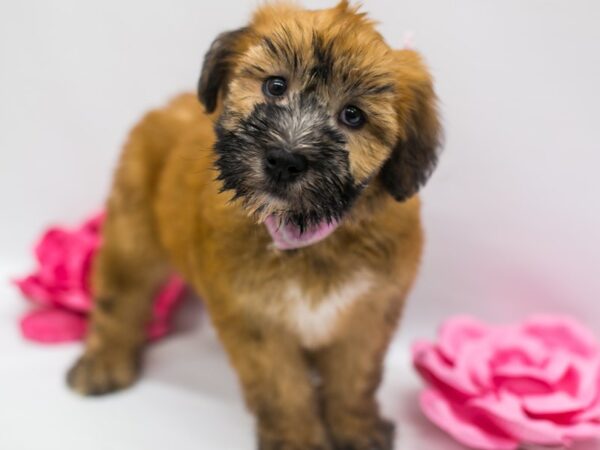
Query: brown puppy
(305, 246)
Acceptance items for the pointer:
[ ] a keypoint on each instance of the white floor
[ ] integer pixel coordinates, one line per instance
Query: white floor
(188, 398)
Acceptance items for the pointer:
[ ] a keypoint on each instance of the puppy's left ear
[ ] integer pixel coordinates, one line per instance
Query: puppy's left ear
(217, 66)
(416, 153)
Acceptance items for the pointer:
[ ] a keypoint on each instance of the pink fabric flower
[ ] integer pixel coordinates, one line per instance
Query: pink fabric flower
(61, 286)
(499, 387)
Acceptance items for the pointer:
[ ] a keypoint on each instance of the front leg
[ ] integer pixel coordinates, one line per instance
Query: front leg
(277, 384)
(128, 270)
(351, 371)
(126, 276)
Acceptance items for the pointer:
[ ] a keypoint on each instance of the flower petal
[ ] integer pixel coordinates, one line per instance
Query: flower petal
(590, 415)
(470, 430)
(53, 326)
(165, 303)
(506, 411)
(33, 288)
(553, 404)
(168, 297)
(532, 380)
(456, 332)
(439, 373)
(94, 224)
(75, 300)
(500, 347)
(51, 252)
(562, 332)
(550, 373)
(511, 346)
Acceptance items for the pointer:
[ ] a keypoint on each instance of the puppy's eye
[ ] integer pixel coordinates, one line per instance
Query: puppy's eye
(352, 116)
(275, 87)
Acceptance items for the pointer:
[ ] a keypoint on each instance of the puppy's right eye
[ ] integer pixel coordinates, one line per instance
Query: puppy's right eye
(275, 87)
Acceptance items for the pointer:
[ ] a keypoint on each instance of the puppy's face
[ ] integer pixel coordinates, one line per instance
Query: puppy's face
(314, 107)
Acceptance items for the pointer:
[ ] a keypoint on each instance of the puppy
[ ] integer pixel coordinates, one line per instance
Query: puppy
(288, 202)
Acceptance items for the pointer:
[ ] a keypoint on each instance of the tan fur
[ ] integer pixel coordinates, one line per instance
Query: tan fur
(166, 212)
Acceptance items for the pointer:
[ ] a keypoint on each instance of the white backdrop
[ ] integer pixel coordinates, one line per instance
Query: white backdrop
(512, 213)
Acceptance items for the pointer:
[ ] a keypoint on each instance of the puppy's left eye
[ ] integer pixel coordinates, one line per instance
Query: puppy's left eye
(275, 86)
(352, 116)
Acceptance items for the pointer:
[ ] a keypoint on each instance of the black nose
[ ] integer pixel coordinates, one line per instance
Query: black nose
(285, 166)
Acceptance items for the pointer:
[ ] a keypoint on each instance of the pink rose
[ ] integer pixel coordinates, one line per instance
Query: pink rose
(61, 285)
(499, 387)
(64, 258)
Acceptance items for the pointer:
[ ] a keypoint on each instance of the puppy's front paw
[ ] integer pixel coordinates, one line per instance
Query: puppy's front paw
(103, 372)
(297, 436)
(372, 434)
(283, 444)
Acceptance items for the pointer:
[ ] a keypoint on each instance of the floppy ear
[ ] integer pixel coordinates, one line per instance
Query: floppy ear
(216, 67)
(416, 153)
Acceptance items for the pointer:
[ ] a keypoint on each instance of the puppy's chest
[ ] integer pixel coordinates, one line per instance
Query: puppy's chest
(315, 316)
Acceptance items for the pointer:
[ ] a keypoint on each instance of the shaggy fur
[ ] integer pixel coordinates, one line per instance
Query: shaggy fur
(191, 192)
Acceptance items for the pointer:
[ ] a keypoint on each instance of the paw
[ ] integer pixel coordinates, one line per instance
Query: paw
(103, 372)
(375, 434)
(298, 437)
(284, 444)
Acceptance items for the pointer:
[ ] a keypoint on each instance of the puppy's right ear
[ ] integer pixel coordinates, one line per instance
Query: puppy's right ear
(217, 66)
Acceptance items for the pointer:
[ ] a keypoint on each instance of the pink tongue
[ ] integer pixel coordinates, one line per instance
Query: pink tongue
(288, 236)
